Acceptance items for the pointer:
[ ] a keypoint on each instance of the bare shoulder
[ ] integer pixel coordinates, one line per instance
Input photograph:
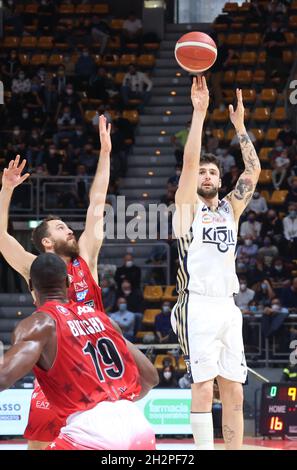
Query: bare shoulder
(37, 325)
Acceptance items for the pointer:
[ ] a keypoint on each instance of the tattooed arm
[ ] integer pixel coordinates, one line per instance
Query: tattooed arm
(246, 184)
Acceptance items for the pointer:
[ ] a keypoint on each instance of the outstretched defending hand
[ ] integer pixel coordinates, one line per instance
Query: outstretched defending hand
(237, 116)
(104, 133)
(12, 175)
(200, 95)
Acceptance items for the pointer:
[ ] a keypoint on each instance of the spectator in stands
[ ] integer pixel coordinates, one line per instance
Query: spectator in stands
(272, 226)
(46, 17)
(66, 124)
(258, 204)
(291, 197)
(279, 275)
(128, 271)
(132, 31)
(88, 158)
(168, 197)
(168, 377)
(227, 160)
(256, 271)
(125, 319)
(136, 85)
(10, 68)
(108, 295)
(133, 297)
(23, 118)
(79, 138)
(290, 231)
(100, 32)
(49, 96)
(60, 80)
(70, 98)
(274, 41)
(264, 293)
(268, 252)
(273, 317)
(99, 83)
(173, 180)
(244, 296)
(162, 327)
(35, 151)
(84, 67)
(20, 85)
(280, 165)
(287, 136)
(250, 227)
(247, 250)
(52, 162)
(179, 140)
(289, 296)
(82, 185)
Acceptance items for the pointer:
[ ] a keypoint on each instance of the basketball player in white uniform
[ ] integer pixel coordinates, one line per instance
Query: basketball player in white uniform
(205, 318)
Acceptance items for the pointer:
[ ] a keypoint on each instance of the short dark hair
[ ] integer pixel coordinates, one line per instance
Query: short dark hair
(48, 271)
(41, 231)
(210, 158)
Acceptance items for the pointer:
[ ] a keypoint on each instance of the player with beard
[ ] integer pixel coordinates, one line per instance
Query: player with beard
(205, 318)
(54, 236)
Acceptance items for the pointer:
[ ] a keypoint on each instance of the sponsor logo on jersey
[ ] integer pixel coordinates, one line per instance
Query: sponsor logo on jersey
(80, 286)
(220, 236)
(75, 262)
(85, 309)
(206, 219)
(62, 310)
(225, 207)
(90, 303)
(42, 404)
(70, 278)
(80, 296)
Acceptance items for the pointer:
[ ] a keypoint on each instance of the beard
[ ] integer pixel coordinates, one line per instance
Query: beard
(70, 249)
(208, 193)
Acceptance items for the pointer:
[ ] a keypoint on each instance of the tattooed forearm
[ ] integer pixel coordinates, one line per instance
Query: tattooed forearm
(244, 188)
(249, 154)
(228, 434)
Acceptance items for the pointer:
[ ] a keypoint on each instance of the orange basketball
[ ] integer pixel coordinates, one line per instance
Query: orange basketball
(195, 52)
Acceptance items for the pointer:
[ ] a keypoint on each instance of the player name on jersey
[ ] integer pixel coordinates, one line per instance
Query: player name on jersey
(85, 327)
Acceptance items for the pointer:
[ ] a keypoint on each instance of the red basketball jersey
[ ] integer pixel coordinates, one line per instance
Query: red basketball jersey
(92, 364)
(83, 287)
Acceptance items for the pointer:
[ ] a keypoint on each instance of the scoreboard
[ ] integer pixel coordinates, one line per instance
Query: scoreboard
(278, 412)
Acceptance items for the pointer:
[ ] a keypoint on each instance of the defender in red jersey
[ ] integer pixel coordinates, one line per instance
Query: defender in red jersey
(81, 257)
(83, 365)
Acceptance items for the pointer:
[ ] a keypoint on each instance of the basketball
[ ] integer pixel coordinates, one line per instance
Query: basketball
(195, 52)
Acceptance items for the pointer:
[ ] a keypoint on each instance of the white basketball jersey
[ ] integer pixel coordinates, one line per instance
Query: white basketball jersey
(207, 253)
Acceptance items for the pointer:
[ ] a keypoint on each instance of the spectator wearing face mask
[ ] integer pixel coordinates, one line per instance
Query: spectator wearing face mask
(70, 98)
(258, 204)
(168, 377)
(162, 325)
(125, 319)
(244, 296)
(21, 85)
(268, 252)
(290, 231)
(108, 295)
(264, 293)
(52, 162)
(85, 66)
(133, 297)
(279, 275)
(128, 271)
(247, 250)
(273, 317)
(250, 227)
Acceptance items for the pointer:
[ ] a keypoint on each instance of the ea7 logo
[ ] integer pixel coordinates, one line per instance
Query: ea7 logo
(85, 309)
(1, 93)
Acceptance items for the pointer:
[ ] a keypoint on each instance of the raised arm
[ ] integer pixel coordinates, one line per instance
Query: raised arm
(29, 340)
(91, 239)
(246, 184)
(186, 194)
(11, 249)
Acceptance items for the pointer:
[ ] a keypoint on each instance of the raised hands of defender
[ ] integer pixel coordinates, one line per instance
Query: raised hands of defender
(104, 134)
(12, 176)
(237, 116)
(200, 94)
